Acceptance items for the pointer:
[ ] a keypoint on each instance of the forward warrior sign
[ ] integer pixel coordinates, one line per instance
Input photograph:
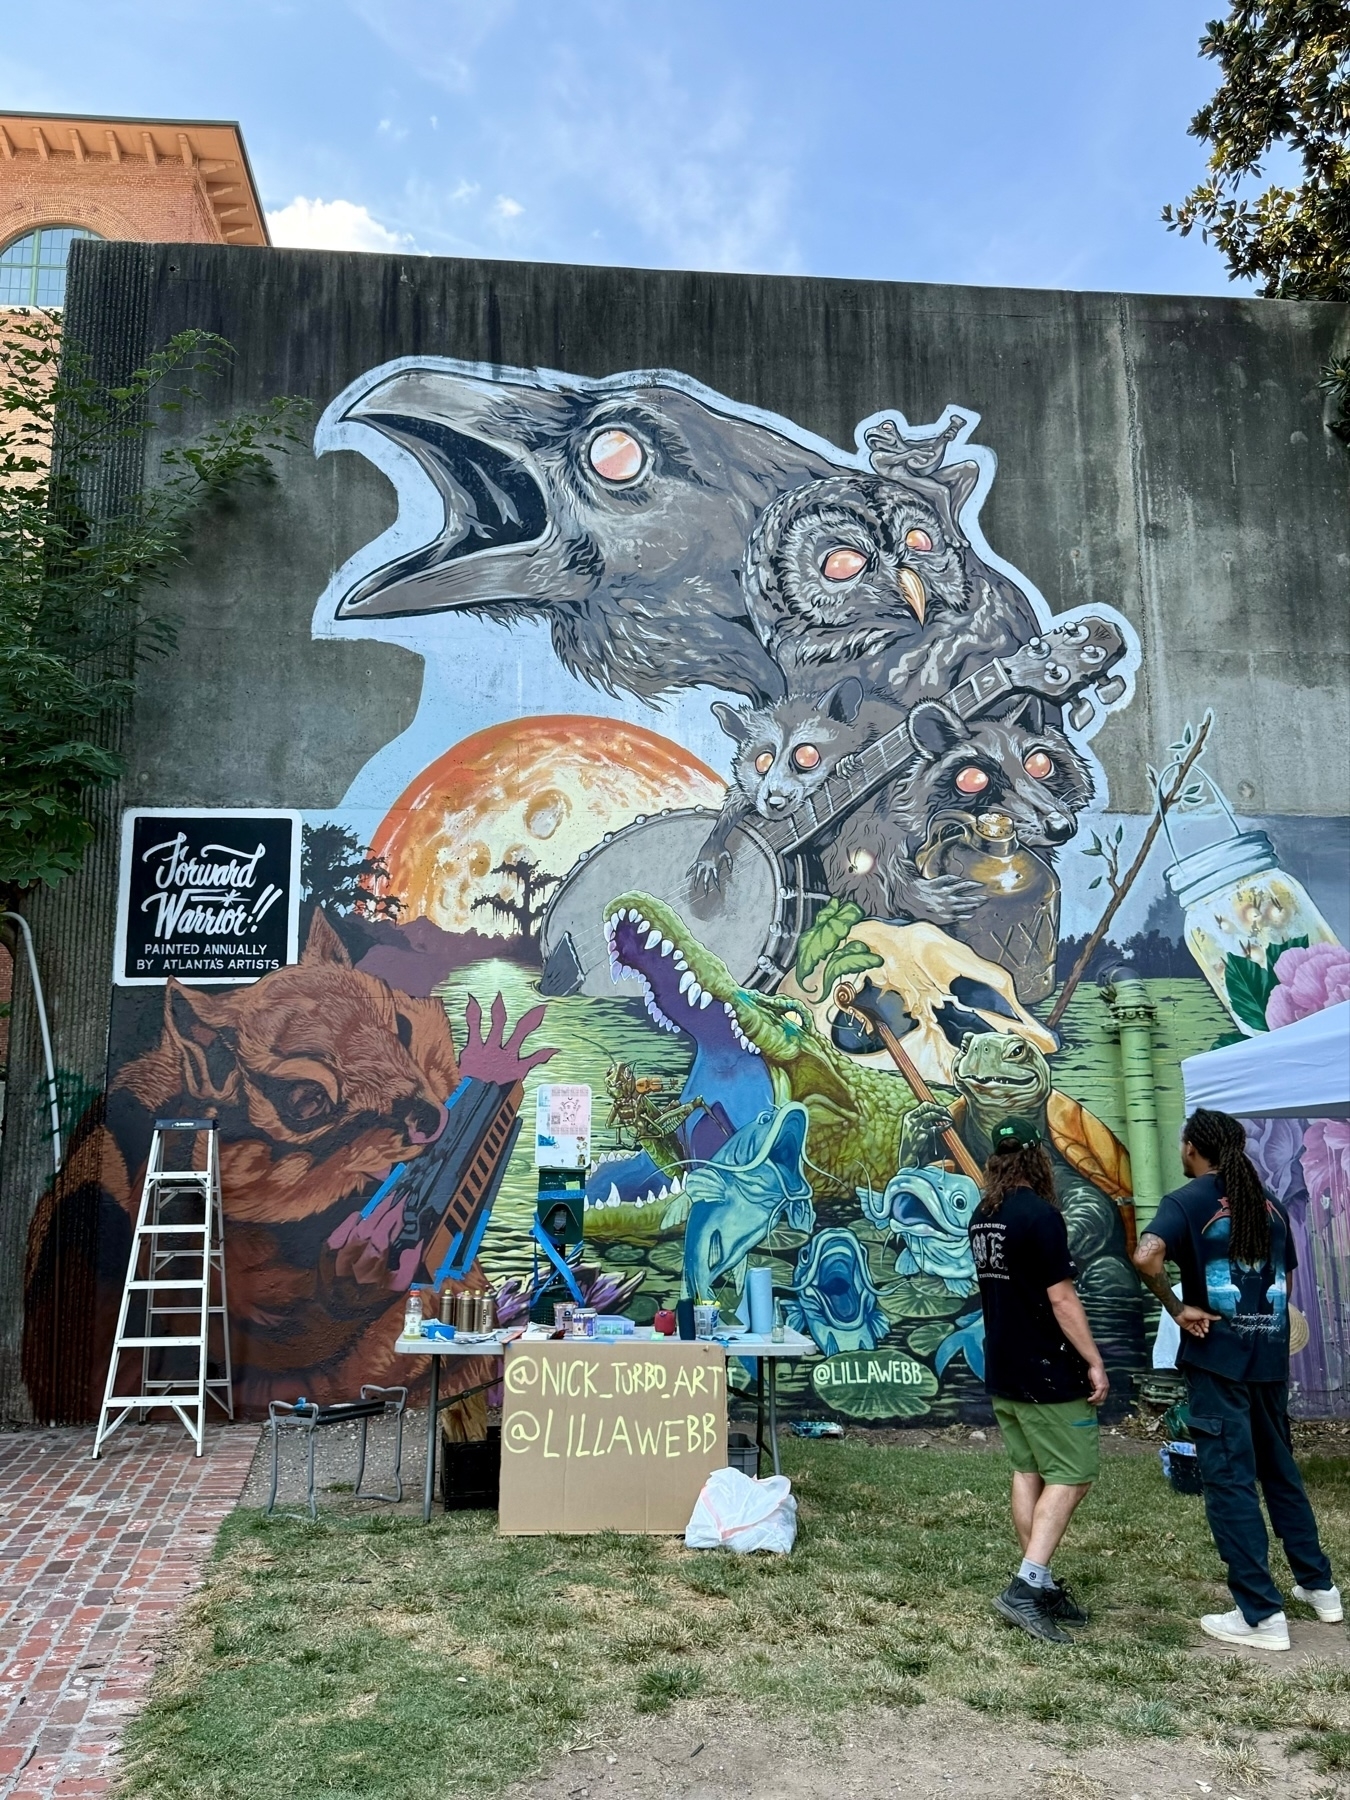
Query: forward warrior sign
(208, 897)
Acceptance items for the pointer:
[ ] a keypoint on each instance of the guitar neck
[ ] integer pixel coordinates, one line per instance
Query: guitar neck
(874, 765)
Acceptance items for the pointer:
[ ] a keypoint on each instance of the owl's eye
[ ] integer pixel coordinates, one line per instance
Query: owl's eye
(843, 565)
(972, 779)
(1038, 765)
(805, 756)
(764, 761)
(918, 539)
(616, 456)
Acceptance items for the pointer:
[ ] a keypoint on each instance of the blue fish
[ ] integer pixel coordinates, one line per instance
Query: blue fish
(931, 1210)
(837, 1301)
(965, 1339)
(738, 1196)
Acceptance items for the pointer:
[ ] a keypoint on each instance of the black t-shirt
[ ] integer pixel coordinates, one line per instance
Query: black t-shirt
(1249, 1341)
(1020, 1251)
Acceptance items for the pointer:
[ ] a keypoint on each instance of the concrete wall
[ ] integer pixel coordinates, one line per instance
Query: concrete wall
(1158, 464)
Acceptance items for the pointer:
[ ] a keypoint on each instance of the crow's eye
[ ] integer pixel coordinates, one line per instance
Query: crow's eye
(918, 539)
(764, 761)
(616, 456)
(1038, 765)
(843, 565)
(972, 780)
(805, 756)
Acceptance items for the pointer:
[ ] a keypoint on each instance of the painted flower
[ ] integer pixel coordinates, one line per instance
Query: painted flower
(1308, 979)
(1275, 1146)
(837, 1301)
(1326, 1160)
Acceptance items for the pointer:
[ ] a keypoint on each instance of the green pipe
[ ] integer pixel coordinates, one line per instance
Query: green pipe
(1134, 1016)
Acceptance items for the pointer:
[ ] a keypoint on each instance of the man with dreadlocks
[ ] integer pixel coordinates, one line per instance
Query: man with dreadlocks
(1043, 1370)
(1235, 1251)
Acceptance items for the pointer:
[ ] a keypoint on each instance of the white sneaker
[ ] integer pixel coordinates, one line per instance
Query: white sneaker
(1325, 1602)
(1232, 1628)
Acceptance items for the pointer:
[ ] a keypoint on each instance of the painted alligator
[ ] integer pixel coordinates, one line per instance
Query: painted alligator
(756, 1051)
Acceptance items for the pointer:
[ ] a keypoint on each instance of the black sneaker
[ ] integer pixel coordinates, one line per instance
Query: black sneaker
(1059, 1602)
(1022, 1605)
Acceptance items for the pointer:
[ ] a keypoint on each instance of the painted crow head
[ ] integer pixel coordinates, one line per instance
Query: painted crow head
(618, 509)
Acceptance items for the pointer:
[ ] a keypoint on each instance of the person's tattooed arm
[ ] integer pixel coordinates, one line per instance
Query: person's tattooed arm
(1150, 1258)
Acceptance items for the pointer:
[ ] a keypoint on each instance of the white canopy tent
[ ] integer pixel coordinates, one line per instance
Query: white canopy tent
(1301, 1071)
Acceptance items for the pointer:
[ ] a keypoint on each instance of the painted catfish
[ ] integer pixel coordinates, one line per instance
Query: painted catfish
(739, 1195)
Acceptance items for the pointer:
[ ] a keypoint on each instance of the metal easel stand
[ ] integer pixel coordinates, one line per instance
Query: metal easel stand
(306, 1416)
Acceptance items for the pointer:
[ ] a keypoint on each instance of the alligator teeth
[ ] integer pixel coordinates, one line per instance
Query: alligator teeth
(653, 939)
(680, 963)
(704, 1001)
(613, 1196)
(676, 1186)
(663, 1195)
(667, 945)
(643, 924)
(695, 993)
(687, 981)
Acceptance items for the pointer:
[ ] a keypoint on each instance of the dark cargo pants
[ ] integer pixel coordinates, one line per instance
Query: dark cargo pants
(1241, 1432)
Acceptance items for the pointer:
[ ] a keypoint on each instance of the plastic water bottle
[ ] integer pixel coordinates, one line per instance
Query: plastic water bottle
(412, 1314)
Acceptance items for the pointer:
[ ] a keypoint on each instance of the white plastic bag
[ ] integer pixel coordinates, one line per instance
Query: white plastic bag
(740, 1514)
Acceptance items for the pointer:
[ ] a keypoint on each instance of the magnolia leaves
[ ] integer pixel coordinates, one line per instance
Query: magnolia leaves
(825, 941)
(1249, 984)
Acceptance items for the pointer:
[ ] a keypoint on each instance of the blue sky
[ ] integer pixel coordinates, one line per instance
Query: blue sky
(1020, 142)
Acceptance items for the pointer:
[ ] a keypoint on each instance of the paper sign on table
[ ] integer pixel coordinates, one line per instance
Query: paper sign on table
(609, 1437)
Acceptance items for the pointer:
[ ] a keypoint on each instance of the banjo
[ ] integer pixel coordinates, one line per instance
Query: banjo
(766, 899)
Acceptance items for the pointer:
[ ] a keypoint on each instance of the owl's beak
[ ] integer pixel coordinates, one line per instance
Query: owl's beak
(914, 591)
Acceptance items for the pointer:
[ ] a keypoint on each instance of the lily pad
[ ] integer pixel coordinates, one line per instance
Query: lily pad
(874, 1384)
(667, 1259)
(925, 1338)
(923, 1297)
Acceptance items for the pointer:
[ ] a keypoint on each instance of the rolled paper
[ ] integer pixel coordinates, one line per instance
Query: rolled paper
(759, 1288)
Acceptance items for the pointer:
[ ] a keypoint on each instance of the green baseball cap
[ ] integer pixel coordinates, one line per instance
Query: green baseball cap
(1015, 1134)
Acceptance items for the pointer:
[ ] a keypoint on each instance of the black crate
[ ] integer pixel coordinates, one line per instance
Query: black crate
(471, 1473)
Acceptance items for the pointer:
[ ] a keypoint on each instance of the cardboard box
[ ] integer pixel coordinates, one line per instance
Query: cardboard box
(603, 1436)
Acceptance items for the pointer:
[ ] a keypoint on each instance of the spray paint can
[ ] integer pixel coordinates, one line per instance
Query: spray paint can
(466, 1312)
(447, 1306)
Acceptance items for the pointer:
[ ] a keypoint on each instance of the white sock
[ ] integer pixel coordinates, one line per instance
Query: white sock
(1036, 1574)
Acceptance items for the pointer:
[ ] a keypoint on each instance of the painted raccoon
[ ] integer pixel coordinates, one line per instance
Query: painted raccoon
(784, 754)
(981, 765)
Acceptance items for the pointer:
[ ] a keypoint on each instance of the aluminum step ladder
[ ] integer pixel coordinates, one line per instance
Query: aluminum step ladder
(176, 1272)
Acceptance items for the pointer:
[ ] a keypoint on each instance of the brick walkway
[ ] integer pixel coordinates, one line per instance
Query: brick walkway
(95, 1560)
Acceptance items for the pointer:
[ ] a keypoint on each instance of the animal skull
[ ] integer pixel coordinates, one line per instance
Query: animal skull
(921, 962)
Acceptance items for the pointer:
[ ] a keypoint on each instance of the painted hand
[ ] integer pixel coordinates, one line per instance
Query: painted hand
(361, 1248)
(491, 1055)
(921, 1134)
(1195, 1320)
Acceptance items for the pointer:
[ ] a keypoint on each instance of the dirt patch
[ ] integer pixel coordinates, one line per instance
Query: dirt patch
(927, 1752)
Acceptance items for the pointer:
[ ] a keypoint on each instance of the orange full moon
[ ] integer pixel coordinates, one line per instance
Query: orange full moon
(544, 789)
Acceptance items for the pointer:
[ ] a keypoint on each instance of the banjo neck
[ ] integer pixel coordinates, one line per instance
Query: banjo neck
(877, 763)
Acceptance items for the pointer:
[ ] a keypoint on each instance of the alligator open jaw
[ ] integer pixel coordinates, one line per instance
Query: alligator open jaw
(675, 996)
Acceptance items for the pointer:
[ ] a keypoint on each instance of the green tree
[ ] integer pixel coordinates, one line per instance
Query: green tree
(340, 876)
(1286, 86)
(78, 557)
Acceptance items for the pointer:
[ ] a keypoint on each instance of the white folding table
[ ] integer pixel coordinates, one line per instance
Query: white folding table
(765, 1352)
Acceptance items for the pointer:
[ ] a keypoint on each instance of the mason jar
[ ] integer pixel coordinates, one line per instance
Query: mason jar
(1239, 902)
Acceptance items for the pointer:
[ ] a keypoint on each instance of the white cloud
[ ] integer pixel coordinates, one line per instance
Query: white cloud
(464, 190)
(507, 208)
(332, 225)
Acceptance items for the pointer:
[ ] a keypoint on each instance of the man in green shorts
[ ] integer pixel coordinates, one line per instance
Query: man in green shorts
(1043, 1371)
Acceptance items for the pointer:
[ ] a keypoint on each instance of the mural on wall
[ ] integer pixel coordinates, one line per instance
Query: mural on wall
(718, 717)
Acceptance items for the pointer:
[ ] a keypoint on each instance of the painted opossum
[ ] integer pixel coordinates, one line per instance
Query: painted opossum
(1035, 777)
(785, 753)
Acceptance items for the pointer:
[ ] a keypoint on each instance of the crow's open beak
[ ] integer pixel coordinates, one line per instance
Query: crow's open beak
(496, 546)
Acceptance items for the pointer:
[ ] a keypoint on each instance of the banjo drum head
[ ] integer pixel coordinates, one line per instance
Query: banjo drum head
(737, 921)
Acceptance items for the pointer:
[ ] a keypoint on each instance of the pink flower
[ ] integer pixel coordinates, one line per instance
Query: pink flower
(1309, 979)
(1326, 1158)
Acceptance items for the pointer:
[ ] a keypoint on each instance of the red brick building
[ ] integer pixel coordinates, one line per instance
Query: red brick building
(147, 180)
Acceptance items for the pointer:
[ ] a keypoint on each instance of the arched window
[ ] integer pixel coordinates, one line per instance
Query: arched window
(33, 267)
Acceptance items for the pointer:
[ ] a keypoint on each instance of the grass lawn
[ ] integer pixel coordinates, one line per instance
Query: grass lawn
(370, 1655)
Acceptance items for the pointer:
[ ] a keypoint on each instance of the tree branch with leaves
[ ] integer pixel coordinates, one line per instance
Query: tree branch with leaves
(75, 573)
